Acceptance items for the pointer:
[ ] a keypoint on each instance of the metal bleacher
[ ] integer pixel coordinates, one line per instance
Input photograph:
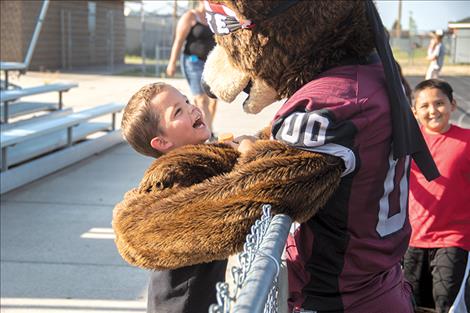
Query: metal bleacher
(33, 146)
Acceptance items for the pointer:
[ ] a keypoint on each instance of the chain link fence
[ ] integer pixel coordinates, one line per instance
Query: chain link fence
(256, 284)
(413, 50)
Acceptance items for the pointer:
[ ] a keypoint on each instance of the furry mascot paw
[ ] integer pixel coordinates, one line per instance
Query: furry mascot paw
(196, 204)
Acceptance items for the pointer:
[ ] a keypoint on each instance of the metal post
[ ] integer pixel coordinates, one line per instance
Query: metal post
(37, 30)
(175, 19)
(157, 60)
(62, 37)
(113, 121)
(265, 267)
(6, 80)
(110, 41)
(60, 100)
(69, 39)
(4, 159)
(142, 37)
(69, 136)
(5, 112)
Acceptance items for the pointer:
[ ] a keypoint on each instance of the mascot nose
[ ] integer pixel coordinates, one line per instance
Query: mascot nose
(207, 89)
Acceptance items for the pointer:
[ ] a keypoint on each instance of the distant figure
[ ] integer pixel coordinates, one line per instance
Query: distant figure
(437, 260)
(192, 31)
(436, 52)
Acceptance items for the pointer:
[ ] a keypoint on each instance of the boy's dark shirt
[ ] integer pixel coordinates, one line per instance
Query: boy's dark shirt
(188, 289)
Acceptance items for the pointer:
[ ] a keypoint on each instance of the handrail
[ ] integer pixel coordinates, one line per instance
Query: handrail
(35, 37)
(265, 268)
(257, 277)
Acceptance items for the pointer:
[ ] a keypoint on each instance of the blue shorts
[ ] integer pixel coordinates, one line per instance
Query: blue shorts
(192, 67)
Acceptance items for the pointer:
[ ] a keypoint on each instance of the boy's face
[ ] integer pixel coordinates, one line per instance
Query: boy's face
(181, 122)
(432, 109)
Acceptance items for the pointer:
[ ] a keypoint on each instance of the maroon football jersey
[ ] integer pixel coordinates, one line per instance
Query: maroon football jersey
(346, 258)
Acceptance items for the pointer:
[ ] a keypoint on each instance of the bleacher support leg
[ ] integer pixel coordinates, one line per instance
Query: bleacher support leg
(5, 112)
(60, 100)
(69, 136)
(113, 121)
(4, 159)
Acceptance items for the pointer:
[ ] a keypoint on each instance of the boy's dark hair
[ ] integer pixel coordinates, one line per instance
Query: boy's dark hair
(141, 121)
(434, 83)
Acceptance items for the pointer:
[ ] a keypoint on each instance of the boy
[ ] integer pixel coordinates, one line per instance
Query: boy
(158, 119)
(436, 262)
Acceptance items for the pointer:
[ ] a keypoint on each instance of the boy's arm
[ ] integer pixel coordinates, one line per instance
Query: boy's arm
(209, 221)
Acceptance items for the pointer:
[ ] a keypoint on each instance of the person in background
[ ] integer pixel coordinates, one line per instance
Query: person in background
(193, 31)
(435, 55)
(437, 260)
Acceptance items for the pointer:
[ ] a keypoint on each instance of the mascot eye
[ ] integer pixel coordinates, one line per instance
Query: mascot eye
(160, 185)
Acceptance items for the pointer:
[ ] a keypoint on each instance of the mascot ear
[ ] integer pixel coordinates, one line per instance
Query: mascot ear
(161, 144)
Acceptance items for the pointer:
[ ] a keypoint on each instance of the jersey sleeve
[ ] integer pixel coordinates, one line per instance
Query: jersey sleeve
(318, 131)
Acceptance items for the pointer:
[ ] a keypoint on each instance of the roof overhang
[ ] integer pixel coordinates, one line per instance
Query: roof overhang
(458, 25)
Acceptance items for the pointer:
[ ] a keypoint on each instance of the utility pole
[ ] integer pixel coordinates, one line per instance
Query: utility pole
(175, 19)
(398, 29)
(142, 37)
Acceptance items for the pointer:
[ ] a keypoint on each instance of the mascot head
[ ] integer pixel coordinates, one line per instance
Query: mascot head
(269, 48)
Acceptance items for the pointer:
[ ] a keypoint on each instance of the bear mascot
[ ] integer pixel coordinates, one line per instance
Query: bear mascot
(336, 158)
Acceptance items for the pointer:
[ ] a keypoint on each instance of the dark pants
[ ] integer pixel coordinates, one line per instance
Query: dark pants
(436, 276)
(188, 289)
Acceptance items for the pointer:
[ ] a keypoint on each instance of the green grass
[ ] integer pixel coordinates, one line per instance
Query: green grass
(137, 59)
(150, 64)
(418, 57)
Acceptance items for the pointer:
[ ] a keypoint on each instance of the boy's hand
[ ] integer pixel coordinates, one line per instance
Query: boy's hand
(246, 144)
(243, 143)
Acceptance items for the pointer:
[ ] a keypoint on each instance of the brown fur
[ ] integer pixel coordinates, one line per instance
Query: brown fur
(183, 224)
(287, 51)
(287, 56)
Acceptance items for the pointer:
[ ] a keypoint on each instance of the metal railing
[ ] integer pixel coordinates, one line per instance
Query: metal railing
(255, 281)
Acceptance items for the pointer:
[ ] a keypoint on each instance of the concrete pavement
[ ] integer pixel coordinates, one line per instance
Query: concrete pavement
(57, 252)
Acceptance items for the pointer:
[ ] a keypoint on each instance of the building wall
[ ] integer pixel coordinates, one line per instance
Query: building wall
(10, 31)
(462, 46)
(66, 40)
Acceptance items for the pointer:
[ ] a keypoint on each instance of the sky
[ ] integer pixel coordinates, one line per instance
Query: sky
(428, 14)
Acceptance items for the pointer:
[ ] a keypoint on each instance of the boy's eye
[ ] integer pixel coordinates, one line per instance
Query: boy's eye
(177, 111)
(187, 101)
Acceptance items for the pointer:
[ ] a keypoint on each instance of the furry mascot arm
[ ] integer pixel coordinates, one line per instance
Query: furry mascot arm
(187, 224)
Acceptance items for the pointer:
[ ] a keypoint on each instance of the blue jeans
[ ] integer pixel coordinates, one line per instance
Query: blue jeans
(192, 67)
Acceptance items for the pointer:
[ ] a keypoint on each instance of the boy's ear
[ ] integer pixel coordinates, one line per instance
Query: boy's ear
(453, 105)
(160, 144)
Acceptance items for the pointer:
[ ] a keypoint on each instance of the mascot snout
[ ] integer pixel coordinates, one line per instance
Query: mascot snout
(207, 89)
(220, 79)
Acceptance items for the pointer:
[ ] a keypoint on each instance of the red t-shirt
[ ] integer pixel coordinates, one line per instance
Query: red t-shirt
(440, 210)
